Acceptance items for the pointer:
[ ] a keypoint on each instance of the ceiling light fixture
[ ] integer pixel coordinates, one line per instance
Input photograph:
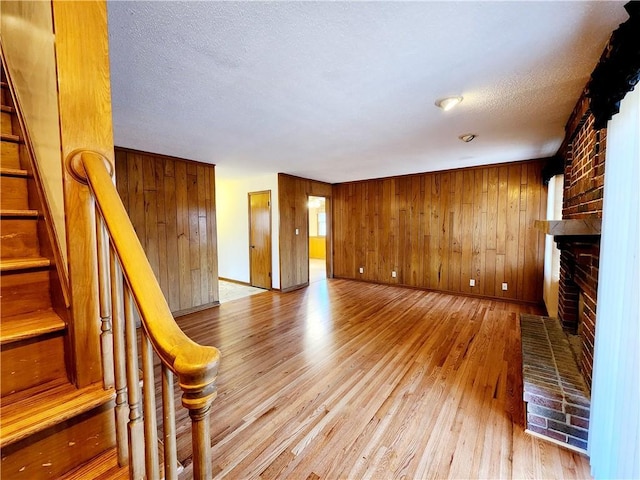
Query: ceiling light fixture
(448, 103)
(467, 137)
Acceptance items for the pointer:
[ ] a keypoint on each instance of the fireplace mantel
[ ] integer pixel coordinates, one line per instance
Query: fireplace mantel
(564, 230)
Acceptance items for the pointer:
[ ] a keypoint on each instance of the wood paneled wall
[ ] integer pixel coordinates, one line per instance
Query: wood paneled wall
(439, 230)
(293, 193)
(171, 203)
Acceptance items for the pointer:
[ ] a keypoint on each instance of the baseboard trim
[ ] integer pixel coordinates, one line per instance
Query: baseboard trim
(239, 282)
(187, 311)
(449, 292)
(295, 287)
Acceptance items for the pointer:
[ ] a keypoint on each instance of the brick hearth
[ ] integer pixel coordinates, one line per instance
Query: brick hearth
(555, 393)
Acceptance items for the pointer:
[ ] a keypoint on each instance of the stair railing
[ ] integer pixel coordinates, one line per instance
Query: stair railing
(127, 286)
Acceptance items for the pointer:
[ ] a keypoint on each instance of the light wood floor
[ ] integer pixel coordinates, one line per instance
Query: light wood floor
(352, 380)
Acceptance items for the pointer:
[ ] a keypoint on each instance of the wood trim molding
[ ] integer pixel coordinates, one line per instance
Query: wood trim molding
(572, 227)
(294, 287)
(199, 308)
(237, 282)
(449, 292)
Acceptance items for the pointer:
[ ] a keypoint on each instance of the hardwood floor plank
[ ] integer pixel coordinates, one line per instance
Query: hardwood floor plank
(346, 379)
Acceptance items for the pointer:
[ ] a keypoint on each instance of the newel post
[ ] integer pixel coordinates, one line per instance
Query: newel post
(88, 266)
(199, 391)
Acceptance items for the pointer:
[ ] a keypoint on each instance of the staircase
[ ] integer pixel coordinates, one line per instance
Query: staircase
(48, 427)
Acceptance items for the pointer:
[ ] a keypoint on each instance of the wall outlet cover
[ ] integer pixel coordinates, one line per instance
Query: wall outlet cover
(505, 287)
(361, 269)
(394, 274)
(472, 282)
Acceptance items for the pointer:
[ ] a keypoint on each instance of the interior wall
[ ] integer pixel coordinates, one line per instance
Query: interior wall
(293, 193)
(232, 202)
(28, 39)
(171, 203)
(551, 251)
(440, 230)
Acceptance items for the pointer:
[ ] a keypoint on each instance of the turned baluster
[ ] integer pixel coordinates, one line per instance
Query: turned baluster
(136, 427)
(104, 298)
(150, 421)
(169, 426)
(120, 363)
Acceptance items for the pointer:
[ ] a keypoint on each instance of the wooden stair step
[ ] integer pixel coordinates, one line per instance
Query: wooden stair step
(14, 264)
(29, 325)
(7, 109)
(6, 137)
(25, 286)
(34, 413)
(14, 192)
(13, 172)
(19, 237)
(4, 92)
(105, 467)
(6, 122)
(9, 155)
(101, 467)
(18, 213)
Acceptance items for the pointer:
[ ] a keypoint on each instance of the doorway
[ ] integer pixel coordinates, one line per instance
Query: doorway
(260, 239)
(317, 238)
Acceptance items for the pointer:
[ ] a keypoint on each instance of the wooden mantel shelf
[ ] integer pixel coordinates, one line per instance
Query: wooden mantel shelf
(570, 228)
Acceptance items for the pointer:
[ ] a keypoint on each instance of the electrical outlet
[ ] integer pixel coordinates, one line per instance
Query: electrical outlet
(361, 269)
(505, 287)
(297, 231)
(472, 282)
(394, 274)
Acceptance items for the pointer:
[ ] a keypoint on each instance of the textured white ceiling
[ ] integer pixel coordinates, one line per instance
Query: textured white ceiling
(342, 91)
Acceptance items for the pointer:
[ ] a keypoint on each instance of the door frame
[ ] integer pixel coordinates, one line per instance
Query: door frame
(328, 208)
(261, 192)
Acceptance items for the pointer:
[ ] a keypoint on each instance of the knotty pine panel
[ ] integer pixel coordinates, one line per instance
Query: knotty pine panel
(439, 230)
(171, 203)
(293, 196)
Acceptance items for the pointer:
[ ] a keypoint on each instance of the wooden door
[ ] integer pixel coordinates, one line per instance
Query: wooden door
(260, 238)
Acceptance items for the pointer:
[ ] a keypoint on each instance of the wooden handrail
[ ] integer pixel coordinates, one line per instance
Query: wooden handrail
(196, 366)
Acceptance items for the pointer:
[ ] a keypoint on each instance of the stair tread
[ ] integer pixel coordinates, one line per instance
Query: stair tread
(18, 213)
(29, 325)
(7, 109)
(8, 137)
(13, 172)
(101, 467)
(33, 413)
(7, 265)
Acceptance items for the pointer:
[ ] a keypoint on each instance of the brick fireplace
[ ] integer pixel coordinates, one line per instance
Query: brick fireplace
(557, 368)
(583, 152)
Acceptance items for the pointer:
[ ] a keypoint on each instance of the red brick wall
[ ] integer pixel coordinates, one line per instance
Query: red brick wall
(584, 155)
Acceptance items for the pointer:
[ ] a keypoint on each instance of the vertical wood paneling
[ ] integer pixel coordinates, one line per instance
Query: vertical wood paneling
(439, 230)
(171, 203)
